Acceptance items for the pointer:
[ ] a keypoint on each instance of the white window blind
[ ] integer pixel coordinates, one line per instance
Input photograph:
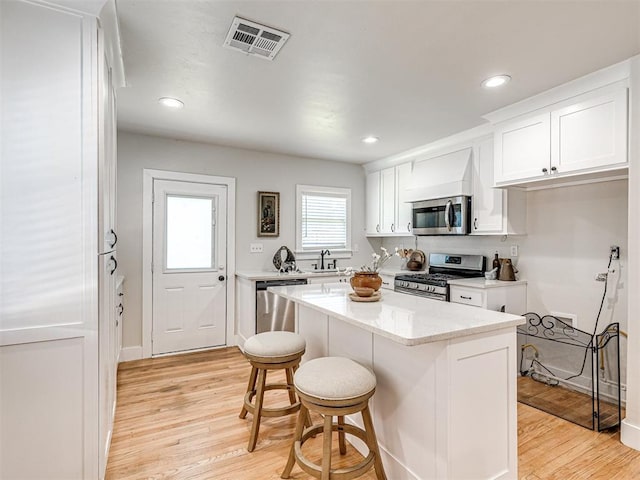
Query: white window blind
(323, 218)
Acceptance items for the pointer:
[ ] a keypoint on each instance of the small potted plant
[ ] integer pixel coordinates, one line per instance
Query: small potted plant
(367, 277)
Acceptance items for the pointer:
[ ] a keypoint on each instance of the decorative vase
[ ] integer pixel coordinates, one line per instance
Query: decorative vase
(366, 280)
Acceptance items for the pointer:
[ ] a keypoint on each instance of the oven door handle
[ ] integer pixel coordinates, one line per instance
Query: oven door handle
(447, 213)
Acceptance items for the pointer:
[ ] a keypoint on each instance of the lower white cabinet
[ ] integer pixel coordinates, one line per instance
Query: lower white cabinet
(510, 297)
(443, 409)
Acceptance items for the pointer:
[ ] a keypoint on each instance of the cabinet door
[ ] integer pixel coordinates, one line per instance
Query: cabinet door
(591, 133)
(403, 216)
(388, 200)
(373, 203)
(487, 201)
(522, 149)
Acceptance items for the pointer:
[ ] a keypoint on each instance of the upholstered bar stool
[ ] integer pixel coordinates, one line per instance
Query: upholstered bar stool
(270, 351)
(334, 387)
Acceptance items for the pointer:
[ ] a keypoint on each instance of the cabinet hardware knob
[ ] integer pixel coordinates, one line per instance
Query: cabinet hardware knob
(115, 238)
(115, 264)
(544, 170)
(475, 223)
(377, 227)
(465, 298)
(393, 227)
(221, 278)
(409, 226)
(554, 169)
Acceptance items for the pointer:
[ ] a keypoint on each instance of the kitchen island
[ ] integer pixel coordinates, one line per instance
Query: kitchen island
(445, 402)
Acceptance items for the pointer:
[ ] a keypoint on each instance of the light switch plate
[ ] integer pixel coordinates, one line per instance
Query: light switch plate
(256, 248)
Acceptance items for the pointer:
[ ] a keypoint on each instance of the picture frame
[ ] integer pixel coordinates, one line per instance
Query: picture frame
(268, 214)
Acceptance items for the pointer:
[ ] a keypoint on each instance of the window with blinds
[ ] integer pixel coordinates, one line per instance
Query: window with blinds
(323, 218)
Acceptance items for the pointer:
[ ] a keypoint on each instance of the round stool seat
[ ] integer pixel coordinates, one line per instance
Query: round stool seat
(334, 387)
(334, 378)
(274, 345)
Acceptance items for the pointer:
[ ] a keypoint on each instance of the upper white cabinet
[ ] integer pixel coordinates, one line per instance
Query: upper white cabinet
(387, 212)
(495, 210)
(585, 134)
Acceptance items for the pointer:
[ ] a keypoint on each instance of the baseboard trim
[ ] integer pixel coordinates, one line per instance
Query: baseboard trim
(131, 353)
(630, 434)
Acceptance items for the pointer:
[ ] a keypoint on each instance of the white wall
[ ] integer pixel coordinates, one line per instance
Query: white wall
(569, 232)
(254, 171)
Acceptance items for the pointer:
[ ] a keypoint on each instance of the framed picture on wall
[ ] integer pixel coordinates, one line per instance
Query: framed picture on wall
(268, 214)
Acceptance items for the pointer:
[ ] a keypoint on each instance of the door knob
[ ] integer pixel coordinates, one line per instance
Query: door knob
(221, 278)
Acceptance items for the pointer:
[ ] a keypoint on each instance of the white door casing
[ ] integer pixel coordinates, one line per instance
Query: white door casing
(189, 266)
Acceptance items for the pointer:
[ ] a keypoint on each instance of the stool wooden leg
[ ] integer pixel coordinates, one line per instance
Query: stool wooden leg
(297, 436)
(341, 442)
(250, 386)
(373, 443)
(257, 412)
(326, 447)
(292, 394)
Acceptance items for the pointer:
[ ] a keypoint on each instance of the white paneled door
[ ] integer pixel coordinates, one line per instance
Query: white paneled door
(189, 266)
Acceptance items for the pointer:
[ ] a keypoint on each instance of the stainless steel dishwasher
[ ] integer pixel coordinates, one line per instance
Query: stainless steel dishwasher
(274, 312)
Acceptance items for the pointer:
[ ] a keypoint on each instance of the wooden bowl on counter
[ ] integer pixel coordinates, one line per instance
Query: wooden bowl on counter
(363, 291)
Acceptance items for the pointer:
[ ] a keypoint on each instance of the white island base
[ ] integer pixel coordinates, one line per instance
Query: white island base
(443, 409)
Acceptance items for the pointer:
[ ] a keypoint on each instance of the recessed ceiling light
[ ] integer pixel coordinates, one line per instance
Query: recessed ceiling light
(370, 139)
(496, 81)
(170, 102)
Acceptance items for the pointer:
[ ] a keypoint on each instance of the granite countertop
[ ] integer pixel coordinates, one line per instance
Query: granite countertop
(480, 282)
(406, 319)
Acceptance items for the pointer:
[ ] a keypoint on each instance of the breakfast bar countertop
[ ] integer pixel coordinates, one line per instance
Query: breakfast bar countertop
(406, 319)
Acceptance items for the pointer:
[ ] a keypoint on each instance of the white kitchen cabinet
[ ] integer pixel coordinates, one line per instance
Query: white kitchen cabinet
(58, 332)
(490, 294)
(245, 309)
(372, 196)
(585, 134)
(387, 280)
(496, 211)
(388, 213)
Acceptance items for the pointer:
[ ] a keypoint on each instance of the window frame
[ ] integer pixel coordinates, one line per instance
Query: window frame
(312, 254)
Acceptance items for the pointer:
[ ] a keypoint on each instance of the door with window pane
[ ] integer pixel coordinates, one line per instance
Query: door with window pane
(189, 266)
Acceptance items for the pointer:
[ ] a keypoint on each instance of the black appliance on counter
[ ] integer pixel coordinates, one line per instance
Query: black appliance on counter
(442, 268)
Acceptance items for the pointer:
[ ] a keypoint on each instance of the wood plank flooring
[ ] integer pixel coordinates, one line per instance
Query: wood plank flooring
(569, 404)
(177, 418)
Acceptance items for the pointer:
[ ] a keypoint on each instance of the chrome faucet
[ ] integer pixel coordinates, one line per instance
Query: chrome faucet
(322, 254)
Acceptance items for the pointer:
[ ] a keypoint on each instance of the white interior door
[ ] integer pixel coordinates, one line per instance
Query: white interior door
(189, 266)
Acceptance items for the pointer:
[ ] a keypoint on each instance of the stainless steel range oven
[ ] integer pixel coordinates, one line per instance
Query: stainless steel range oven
(442, 268)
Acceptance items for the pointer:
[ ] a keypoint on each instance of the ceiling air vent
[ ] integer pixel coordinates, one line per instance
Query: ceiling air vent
(255, 39)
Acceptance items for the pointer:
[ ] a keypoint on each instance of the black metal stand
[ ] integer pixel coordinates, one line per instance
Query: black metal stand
(573, 374)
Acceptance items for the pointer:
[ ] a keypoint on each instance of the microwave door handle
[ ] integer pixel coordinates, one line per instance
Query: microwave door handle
(447, 213)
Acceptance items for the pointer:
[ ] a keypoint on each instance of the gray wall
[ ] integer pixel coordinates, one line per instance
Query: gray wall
(254, 171)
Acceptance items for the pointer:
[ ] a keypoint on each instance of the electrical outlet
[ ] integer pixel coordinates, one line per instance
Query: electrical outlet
(256, 248)
(514, 250)
(614, 251)
(356, 248)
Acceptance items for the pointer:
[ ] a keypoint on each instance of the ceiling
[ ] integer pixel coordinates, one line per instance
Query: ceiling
(408, 72)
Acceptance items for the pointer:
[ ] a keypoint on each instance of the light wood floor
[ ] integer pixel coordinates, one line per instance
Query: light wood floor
(177, 418)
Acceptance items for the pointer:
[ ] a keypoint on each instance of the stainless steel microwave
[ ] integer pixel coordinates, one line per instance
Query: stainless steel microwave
(443, 216)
